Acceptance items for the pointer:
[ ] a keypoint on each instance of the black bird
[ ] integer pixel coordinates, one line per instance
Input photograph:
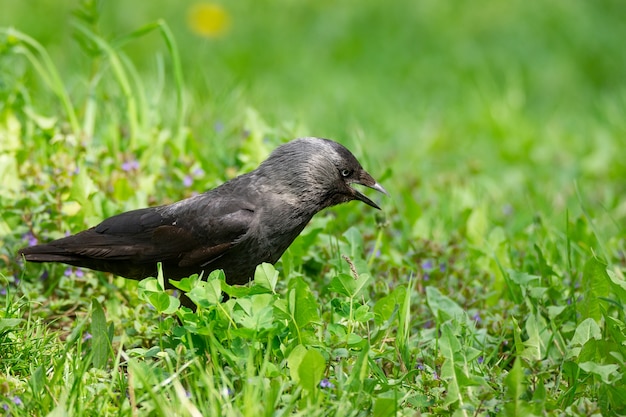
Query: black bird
(248, 220)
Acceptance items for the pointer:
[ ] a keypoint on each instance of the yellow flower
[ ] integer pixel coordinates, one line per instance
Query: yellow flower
(208, 19)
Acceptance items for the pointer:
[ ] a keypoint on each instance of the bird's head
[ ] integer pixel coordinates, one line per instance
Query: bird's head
(321, 171)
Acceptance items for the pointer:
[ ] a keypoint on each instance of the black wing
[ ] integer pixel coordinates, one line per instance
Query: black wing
(187, 234)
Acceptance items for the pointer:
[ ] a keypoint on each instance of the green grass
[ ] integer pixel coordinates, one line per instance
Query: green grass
(492, 283)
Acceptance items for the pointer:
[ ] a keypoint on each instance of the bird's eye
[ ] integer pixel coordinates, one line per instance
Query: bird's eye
(346, 172)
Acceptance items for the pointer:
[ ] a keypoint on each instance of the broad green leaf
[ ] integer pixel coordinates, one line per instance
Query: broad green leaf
(341, 306)
(70, 208)
(311, 369)
(149, 285)
(523, 279)
(343, 284)
(555, 311)
(355, 239)
(443, 306)
(186, 284)
(37, 380)
(384, 307)
(385, 407)
(617, 278)
(595, 286)
(100, 344)
(294, 360)
(303, 304)
(538, 338)
(515, 383)
(257, 312)
(354, 339)
(362, 284)
(608, 373)
(448, 343)
(281, 309)
(266, 276)
(586, 330)
(82, 188)
(452, 369)
(166, 303)
(206, 293)
(6, 324)
(618, 283)
(362, 313)
(151, 290)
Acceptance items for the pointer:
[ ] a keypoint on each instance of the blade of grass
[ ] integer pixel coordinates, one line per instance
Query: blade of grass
(43, 64)
(122, 80)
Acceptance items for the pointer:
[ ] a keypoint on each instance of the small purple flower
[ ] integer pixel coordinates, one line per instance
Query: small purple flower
(131, 165)
(325, 383)
(86, 336)
(78, 273)
(218, 126)
(32, 240)
(476, 317)
(187, 181)
(442, 267)
(426, 276)
(427, 265)
(420, 366)
(480, 359)
(17, 400)
(435, 376)
(44, 275)
(198, 172)
(3, 291)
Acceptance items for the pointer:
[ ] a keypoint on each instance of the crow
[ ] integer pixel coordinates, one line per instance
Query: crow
(242, 223)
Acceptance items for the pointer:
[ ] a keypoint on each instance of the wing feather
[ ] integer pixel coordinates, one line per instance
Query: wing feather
(182, 234)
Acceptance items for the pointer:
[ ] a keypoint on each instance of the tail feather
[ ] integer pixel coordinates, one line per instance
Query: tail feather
(46, 253)
(53, 253)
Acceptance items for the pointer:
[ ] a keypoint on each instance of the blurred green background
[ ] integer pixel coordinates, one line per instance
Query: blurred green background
(498, 127)
(519, 98)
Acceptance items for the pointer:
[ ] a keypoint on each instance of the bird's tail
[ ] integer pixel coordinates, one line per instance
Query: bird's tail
(46, 253)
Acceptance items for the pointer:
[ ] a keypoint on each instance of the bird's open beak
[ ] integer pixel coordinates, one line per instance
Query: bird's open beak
(367, 180)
